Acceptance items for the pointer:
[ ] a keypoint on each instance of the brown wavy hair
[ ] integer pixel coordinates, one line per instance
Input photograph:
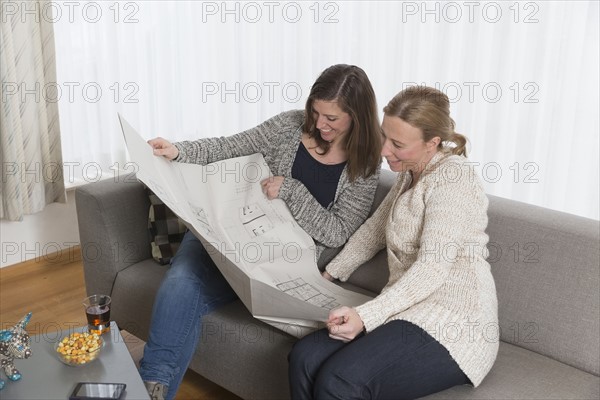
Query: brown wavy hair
(428, 109)
(350, 87)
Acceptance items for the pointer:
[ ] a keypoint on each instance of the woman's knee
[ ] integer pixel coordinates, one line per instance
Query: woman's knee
(306, 354)
(188, 262)
(298, 356)
(181, 270)
(334, 381)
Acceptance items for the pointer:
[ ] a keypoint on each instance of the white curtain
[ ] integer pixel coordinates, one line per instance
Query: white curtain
(30, 155)
(522, 77)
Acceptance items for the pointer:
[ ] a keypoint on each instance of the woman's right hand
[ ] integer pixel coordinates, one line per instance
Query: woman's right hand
(162, 147)
(344, 324)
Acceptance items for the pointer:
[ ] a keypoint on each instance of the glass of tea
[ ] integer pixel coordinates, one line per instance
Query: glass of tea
(97, 311)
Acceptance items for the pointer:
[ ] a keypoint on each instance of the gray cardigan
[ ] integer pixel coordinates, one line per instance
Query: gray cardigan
(277, 139)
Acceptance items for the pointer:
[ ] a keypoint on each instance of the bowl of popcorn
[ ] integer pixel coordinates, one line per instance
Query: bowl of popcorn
(79, 349)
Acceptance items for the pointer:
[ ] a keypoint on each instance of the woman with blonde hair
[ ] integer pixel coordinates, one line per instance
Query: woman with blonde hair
(429, 329)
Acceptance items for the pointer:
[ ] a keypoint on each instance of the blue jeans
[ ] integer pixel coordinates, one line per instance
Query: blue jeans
(398, 360)
(191, 288)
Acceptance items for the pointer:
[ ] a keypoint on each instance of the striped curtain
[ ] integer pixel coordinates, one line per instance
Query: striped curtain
(31, 158)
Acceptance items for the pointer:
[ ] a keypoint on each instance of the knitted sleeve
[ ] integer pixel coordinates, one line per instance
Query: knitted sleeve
(453, 209)
(366, 241)
(332, 227)
(255, 140)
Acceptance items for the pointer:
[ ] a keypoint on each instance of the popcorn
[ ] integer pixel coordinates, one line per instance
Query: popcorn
(79, 348)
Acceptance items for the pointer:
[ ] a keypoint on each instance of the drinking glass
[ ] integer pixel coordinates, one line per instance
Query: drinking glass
(97, 311)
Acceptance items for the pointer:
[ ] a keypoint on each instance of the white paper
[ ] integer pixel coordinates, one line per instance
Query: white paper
(256, 243)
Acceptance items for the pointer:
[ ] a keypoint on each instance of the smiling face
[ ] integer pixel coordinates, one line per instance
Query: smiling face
(330, 120)
(404, 147)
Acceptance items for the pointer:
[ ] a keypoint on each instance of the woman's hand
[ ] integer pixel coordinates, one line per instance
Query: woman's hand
(344, 324)
(327, 276)
(271, 186)
(163, 147)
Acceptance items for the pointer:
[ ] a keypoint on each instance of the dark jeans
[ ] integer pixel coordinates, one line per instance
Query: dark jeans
(398, 360)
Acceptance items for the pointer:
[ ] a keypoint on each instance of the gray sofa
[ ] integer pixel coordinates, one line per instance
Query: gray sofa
(545, 264)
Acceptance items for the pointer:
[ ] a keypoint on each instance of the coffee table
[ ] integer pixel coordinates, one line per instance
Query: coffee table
(45, 377)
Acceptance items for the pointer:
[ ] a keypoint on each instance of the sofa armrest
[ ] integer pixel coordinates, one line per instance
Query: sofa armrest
(113, 229)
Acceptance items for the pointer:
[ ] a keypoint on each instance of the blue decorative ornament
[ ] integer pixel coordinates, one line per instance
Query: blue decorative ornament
(14, 343)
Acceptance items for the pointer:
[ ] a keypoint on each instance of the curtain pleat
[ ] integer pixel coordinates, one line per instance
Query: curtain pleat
(31, 157)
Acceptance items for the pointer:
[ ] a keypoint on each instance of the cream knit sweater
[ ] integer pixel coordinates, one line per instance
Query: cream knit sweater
(436, 248)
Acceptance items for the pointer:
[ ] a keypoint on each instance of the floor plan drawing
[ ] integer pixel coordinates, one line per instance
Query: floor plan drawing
(299, 289)
(255, 220)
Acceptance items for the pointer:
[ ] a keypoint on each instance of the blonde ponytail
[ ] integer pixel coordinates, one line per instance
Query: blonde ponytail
(460, 142)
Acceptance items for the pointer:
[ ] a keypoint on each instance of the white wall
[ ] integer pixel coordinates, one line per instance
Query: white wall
(42, 235)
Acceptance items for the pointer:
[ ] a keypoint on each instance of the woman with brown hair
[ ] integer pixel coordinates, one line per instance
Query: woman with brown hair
(325, 163)
(429, 329)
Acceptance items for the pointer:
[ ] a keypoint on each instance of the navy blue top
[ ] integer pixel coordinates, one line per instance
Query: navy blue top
(320, 179)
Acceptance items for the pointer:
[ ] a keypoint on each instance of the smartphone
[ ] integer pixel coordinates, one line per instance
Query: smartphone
(97, 391)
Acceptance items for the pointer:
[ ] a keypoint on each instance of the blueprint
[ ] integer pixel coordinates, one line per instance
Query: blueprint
(256, 243)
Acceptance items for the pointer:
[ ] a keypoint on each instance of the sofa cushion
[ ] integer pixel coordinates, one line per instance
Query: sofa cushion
(166, 229)
(133, 296)
(522, 374)
(254, 354)
(261, 356)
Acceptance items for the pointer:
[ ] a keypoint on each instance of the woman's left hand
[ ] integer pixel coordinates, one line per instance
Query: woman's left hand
(344, 324)
(271, 186)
